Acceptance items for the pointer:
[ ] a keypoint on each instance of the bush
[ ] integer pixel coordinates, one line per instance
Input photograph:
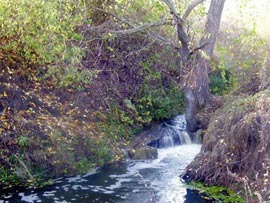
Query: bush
(221, 80)
(38, 30)
(160, 103)
(44, 33)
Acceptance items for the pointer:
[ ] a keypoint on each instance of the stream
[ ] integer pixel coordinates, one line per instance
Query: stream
(148, 181)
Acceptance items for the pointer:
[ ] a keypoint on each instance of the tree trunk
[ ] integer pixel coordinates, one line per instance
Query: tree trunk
(196, 81)
(195, 63)
(212, 26)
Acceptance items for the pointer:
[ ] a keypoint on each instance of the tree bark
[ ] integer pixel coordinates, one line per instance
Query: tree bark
(212, 26)
(196, 81)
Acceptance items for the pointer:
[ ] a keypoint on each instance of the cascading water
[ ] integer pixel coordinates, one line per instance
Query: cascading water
(174, 132)
(148, 181)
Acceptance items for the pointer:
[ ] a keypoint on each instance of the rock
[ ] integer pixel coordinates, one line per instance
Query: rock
(143, 153)
(148, 136)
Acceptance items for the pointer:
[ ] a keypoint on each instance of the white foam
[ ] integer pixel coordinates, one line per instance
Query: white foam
(118, 184)
(76, 179)
(77, 187)
(101, 189)
(29, 198)
(49, 193)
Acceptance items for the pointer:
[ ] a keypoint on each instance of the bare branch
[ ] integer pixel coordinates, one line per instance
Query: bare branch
(142, 27)
(181, 33)
(197, 48)
(190, 7)
(112, 14)
(162, 39)
(137, 28)
(171, 6)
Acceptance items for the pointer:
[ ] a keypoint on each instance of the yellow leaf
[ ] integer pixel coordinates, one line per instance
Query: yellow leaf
(5, 94)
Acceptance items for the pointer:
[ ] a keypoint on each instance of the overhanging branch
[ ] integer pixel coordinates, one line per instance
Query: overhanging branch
(190, 7)
(141, 27)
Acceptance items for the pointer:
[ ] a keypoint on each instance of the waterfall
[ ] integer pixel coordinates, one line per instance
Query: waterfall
(174, 132)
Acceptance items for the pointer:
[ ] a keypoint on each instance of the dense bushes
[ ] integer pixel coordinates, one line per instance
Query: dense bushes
(39, 30)
(44, 33)
(156, 104)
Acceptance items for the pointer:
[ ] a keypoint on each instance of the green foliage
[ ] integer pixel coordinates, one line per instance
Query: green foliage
(44, 33)
(23, 141)
(242, 50)
(116, 125)
(104, 153)
(159, 97)
(159, 104)
(8, 177)
(222, 194)
(84, 165)
(147, 10)
(38, 30)
(221, 80)
(70, 76)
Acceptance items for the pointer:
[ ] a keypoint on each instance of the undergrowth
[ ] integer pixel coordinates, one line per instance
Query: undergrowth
(219, 193)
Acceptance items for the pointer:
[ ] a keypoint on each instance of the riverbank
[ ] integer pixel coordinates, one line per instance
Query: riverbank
(54, 126)
(236, 146)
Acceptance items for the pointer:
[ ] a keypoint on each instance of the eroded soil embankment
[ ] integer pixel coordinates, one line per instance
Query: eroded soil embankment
(236, 147)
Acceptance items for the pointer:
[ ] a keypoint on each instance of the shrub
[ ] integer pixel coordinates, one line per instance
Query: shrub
(160, 103)
(38, 30)
(221, 80)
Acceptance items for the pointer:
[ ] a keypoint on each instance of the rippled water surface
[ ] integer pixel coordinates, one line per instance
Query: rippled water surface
(152, 181)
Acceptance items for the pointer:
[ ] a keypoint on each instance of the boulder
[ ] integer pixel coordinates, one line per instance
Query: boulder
(142, 153)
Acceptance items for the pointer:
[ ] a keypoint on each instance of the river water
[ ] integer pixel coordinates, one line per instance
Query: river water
(149, 181)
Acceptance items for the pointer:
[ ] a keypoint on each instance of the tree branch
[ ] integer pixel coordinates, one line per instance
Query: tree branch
(198, 48)
(141, 27)
(181, 34)
(113, 15)
(162, 39)
(190, 7)
(171, 6)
